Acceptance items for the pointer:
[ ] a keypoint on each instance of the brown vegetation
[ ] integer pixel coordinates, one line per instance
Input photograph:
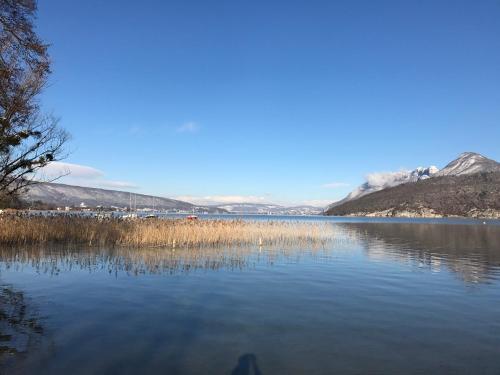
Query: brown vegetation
(18, 230)
(474, 195)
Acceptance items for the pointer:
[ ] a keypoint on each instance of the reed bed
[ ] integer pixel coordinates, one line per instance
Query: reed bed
(56, 259)
(173, 233)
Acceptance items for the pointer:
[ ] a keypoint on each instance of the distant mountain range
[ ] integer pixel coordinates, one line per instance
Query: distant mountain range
(467, 186)
(273, 209)
(62, 195)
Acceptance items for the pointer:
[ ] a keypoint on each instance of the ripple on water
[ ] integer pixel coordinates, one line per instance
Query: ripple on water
(381, 298)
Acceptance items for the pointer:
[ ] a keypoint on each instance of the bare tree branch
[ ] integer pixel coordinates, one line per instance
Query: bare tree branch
(28, 140)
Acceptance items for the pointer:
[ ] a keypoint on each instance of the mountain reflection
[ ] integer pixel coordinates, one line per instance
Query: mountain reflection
(471, 251)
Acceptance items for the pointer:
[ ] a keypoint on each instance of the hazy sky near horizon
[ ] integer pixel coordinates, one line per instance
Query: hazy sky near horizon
(283, 101)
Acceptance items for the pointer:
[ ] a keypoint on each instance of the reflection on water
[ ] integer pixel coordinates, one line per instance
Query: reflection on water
(469, 250)
(20, 327)
(151, 261)
(472, 251)
(386, 298)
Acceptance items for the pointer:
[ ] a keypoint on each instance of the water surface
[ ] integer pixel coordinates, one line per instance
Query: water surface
(381, 298)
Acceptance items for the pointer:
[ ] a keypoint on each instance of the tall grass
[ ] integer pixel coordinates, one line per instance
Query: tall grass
(54, 259)
(158, 232)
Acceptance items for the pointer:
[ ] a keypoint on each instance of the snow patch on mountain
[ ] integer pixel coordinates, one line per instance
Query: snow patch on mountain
(68, 195)
(265, 209)
(381, 180)
(466, 163)
(469, 163)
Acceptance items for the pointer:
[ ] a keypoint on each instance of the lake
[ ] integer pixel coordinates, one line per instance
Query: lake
(399, 296)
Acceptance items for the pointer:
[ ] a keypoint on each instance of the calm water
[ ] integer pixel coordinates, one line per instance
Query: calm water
(382, 298)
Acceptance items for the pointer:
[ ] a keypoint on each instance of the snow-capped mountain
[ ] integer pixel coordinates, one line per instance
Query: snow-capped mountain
(469, 163)
(458, 190)
(62, 195)
(68, 195)
(379, 181)
(265, 209)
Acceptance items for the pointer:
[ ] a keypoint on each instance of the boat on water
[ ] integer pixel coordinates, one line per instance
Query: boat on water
(130, 216)
(104, 215)
(192, 217)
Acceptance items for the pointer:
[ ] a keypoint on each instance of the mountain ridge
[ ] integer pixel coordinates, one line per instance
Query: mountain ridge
(468, 186)
(62, 195)
(269, 208)
(469, 163)
(71, 195)
(379, 181)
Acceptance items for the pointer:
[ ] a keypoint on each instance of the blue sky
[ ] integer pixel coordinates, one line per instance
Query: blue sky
(284, 101)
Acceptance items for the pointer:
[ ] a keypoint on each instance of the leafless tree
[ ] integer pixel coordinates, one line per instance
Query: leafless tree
(29, 140)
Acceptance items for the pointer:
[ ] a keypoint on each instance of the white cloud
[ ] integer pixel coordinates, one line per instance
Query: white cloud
(222, 199)
(135, 130)
(385, 179)
(58, 168)
(117, 184)
(318, 202)
(232, 199)
(335, 185)
(188, 127)
(83, 175)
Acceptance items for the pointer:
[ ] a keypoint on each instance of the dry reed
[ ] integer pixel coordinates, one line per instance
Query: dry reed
(55, 259)
(172, 233)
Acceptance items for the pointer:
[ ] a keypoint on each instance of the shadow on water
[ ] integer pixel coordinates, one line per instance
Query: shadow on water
(470, 251)
(20, 326)
(247, 365)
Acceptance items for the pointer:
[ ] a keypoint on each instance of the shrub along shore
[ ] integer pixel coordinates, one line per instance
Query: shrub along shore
(172, 233)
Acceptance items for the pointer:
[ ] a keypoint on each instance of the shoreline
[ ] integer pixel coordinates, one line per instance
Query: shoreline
(425, 213)
(167, 232)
